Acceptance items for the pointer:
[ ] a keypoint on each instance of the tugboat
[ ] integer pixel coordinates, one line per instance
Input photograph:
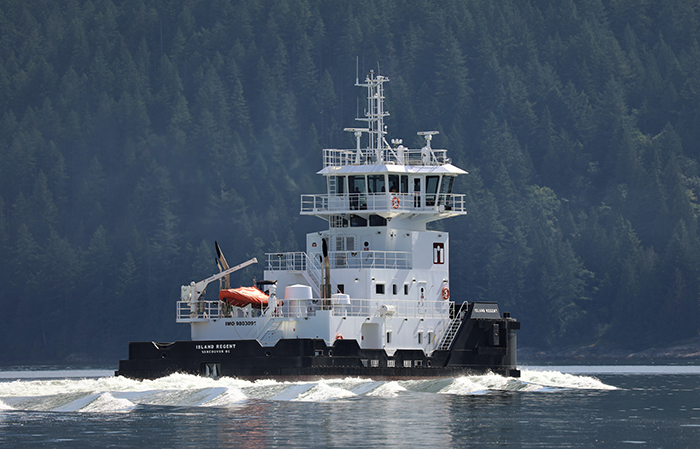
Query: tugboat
(370, 296)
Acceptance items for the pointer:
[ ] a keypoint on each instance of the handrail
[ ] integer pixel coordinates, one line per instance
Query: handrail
(383, 202)
(400, 308)
(299, 261)
(289, 261)
(371, 259)
(296, 261)
(392, 156)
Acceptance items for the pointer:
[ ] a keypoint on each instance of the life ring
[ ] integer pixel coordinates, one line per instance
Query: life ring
(338, 337)
(445, 293)
(395, 202)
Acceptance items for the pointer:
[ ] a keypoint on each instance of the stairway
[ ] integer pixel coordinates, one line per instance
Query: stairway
(452, 329)
(312, 274)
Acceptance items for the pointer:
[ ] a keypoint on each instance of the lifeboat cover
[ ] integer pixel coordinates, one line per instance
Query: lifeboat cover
(242, 296)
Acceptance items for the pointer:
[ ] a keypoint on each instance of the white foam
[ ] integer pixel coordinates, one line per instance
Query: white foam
(556, 379)
(324, 391)
(465, 386)
(119, 394)
(293, 391)
(387, 390)
(230, 397)
(105, 402)
(77, 404)
(365, 388)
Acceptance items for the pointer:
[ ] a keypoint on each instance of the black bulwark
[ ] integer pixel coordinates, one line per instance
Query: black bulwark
(485, 342)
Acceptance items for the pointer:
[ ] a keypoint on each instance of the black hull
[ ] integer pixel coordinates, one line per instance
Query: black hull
(486, 344)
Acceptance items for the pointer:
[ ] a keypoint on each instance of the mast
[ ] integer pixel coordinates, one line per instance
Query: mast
(374, 114)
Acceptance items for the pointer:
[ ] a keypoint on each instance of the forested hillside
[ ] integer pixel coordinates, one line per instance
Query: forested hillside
(135, 133)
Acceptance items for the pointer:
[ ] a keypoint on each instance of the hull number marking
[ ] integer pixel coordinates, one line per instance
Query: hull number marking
(240, 323)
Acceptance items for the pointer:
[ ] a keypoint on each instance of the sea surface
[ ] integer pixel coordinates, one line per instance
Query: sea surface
(552, 406)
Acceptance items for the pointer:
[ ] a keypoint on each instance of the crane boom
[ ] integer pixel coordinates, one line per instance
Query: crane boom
(192, 292)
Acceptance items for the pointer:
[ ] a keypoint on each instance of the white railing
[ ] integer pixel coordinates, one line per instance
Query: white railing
(293, 261)
(401, 308)
(371, 259)
(299, 261)
(398, 308)
(395, 156)
(200, 311)
(383, 202)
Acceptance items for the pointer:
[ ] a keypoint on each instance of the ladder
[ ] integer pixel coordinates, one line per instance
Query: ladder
(451, 331)
(313, 273)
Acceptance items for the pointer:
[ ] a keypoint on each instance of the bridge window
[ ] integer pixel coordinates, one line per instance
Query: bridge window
(446, 186)
(394, 183)
(394, 289)
(356, 184)
(356, 190)
(376, 183)
(431, 188)
(398, 183)
(445, 191)
(379, 288)
(405, 289)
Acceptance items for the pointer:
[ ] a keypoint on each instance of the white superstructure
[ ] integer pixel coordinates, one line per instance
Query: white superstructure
(376, 274)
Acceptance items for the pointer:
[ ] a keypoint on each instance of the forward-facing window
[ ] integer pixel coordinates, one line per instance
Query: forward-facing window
(357, 190)
(337, 184)
(375, 184)
(431, 188)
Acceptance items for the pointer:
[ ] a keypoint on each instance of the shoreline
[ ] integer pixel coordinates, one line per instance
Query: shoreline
(683, 352)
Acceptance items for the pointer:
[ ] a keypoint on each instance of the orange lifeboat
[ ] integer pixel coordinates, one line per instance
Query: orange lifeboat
(242, 296)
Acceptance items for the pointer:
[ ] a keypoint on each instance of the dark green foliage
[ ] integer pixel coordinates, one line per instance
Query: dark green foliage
(135, 133)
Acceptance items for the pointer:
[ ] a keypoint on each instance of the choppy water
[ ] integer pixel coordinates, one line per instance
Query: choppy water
(546, 407)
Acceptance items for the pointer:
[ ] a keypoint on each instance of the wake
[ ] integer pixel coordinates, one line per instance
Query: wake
(122, 395)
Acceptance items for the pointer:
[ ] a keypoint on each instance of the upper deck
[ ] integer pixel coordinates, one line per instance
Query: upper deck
(386, 204)
(389, 181)
(333, 158)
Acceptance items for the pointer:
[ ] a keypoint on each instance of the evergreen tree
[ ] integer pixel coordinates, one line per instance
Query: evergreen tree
(132, 132)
